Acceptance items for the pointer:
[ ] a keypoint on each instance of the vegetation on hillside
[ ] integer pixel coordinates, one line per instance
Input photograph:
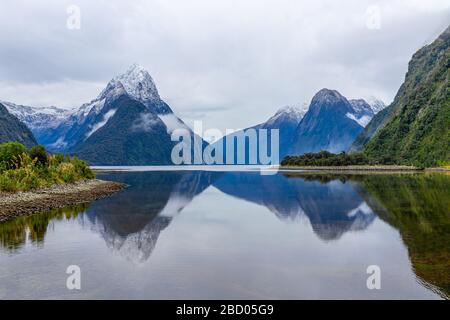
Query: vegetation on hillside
(377, 122)
(325, 158)
(417, 131)
(23, 169)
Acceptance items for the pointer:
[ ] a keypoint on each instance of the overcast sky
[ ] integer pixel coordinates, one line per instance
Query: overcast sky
(229, 63)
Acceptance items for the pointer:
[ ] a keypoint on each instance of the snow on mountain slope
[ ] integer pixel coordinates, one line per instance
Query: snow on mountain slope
(137, 82)
(376, 104)
(95, 105)
(293, 113)
(35, 117)
(363, 111)
(362, 120)
(60, 129)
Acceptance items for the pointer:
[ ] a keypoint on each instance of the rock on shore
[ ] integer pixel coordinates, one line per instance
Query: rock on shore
(13, 205)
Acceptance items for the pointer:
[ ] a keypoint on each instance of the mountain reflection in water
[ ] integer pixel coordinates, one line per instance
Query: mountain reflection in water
(131, 221)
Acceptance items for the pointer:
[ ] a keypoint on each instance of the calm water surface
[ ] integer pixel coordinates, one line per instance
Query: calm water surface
(239, 235)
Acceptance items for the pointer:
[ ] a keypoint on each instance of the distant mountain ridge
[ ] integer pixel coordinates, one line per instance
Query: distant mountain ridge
(286, 120)
(42, 121)
(332, 123)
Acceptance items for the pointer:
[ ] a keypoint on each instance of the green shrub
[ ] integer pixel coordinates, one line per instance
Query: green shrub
(9, 154)
(39, 153)
(21, 170)
(7, 183)
(58, 158)
(82, 168)
(67, 172)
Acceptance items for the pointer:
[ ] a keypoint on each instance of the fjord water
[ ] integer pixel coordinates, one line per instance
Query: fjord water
(208, 235)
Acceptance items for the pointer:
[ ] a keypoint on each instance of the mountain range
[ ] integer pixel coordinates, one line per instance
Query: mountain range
(42, 121)
(330, 122)
(127, 124)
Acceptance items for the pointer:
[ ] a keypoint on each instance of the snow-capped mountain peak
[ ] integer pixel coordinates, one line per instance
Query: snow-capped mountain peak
(296, 110)
(136, 82)
(376, 104)
(360, 105)
(292, 112)
(327, 96)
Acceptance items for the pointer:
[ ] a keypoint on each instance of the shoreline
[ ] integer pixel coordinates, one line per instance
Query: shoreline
(255, 168)
(13, 205)
(387, 168)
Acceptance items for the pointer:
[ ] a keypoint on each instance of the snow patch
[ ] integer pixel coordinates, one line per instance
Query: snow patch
(362, 121)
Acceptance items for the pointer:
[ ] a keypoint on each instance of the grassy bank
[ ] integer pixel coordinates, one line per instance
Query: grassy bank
(23, 169)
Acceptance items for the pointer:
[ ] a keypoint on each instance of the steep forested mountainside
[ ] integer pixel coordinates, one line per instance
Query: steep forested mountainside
(415, 129)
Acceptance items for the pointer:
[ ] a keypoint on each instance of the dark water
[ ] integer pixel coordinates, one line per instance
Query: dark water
(239, 235)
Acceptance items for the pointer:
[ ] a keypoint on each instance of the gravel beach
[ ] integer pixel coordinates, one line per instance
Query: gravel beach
(13, 205)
